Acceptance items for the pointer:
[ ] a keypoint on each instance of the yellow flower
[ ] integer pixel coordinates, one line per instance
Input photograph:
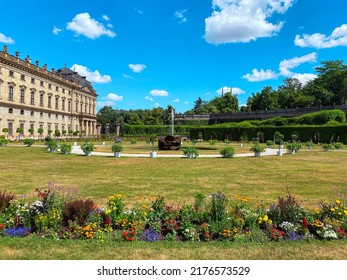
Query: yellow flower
(345, 211)
(260, 219)
(337, 201)
(269, 221)
(339, 213)
(265, 218)
(332, 209)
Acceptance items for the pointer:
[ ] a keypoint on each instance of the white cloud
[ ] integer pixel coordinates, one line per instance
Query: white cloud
(180, 15)
(261, 75)
(105, 17)
(127, 76)
(296, 61)
(56, 30)
(94, 77)
(186, 102)
(157, 104)
(234, 21)
(137, 68)
(5, 39)
(225, 89)
(114, 97)
(83, 24)
(105, 103)
(149, 98)
(304, 78)
(158, 92)
(320, 41)
(176, 100)
(141, 12)
(287, 64)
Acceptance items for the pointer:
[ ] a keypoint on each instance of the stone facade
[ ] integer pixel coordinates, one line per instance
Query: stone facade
(31, 97)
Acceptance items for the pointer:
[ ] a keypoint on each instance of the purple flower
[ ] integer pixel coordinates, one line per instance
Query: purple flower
(149, 235)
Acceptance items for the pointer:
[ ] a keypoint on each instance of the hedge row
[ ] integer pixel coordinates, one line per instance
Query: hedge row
(325, 134)
(162, 130)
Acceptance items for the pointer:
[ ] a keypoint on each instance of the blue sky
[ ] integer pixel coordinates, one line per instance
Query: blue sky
(140, 54)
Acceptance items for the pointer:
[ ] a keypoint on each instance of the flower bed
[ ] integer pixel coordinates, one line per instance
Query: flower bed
(60, 214)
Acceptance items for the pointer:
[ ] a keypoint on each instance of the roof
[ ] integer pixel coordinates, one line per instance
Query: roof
(73, 76)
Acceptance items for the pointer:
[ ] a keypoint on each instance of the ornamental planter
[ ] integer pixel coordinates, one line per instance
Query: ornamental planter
(75, 143)
(292, 152)
(117, 154)
(88, 154)
(153, 154)
(257, 154)
(279, 153)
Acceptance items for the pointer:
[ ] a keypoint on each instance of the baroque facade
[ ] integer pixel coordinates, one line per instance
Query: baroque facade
(35, 99)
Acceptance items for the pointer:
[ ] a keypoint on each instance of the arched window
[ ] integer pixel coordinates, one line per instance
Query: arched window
(10, 111)
(22, 112)
(32, 113)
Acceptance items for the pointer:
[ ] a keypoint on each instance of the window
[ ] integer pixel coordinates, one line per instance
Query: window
(10, 93)
(10, 73)
(69, 106)
(32, 129)
(49, 101)
(81, 108)
(32, 80)
(63, 117)
(32, 98)
(41, 115)
(76, 107)
(49, 127)
(41, 83)
(56, 102)
(63, 104)
(57, 88)
(22, 112)
(32, 113)
(10, 111)
(49, 86)
(22, 77)
(41, 99)
(85, 108)
(56, 116)
(22, 95)
(63, 90)
(10, 128)
(49, 116)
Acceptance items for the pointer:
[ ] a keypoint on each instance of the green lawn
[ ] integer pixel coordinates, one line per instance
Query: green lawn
(310, 176)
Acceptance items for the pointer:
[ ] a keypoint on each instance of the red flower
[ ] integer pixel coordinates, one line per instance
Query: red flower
(2, 226)
(42, 195)
(125, 233)
(304, 223)
(37, 190)
(132, 233)
(108, 221)
(131, 239)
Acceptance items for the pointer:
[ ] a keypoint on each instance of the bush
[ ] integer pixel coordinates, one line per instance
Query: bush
(133, 141)
(52, 145)
(117, 147)
(227, 152)
(87, 148)
(5, 200)
(77, 211)
(256, 148)
(65, 148)
(191, 152)
(3, 142)
(29, 142)
(338, 145)
(269, 143)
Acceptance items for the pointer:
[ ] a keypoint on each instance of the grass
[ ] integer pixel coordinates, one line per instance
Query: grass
(310, 176)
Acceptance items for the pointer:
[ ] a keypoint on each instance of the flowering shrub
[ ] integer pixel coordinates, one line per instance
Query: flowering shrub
(58, 214)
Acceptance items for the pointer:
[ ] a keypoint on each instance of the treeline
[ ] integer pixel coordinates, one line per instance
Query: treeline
(155, 116)
(329, 88)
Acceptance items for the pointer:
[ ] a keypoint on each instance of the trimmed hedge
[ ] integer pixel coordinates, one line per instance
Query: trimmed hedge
(144, 130)
(305, 132)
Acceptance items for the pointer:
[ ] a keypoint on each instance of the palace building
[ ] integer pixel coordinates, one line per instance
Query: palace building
(35, 99)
